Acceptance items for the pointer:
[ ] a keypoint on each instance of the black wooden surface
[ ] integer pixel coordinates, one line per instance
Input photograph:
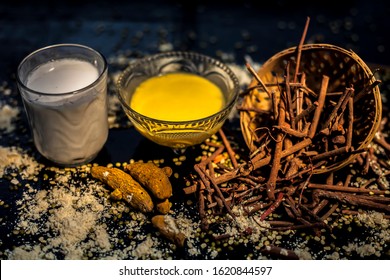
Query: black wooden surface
(213, 28)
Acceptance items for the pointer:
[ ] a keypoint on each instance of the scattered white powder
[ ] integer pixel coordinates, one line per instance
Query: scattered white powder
(366, 250)
(373, 220)
(14, 181)
(14, 157)
(171, 223)
(303, 254)
(193, 250)
(102, 238)
(189, 228)
(4, 88)
(69, 217)
(243, 222)
(362, 250)
(213, 254)
(30, 253)
(242, 74)
(378, 235)
(165, 47)
(75, 219)
(186, 225)
(333, 256)
(147, 249)
(7, 116)
(284, 252)
(129, 197)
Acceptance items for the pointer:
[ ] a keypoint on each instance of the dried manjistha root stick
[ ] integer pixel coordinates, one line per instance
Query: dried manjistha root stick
(125, 187)
(152, 178)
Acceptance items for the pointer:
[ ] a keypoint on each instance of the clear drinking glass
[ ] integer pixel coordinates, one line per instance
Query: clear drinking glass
(64, 92)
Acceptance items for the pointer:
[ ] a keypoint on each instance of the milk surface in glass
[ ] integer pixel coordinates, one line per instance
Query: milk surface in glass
(62, 76)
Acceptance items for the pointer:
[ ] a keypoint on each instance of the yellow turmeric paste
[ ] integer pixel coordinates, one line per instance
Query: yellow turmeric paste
(177, 97)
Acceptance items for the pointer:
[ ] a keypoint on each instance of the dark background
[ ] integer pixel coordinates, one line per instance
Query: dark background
(221, 29)
(257, 28)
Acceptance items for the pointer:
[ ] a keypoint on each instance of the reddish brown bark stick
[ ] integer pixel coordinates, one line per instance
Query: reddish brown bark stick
(354, 200)
(344, 189)
(271, 184)
(288, 97)
(202, 212)
(321, 103)
(273, 207)
(299, 49)
(229, 149)
(330, 154)
(248, 167)
(258, 79)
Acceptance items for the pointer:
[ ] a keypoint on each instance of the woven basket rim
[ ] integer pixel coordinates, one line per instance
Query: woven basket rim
(367, 72)
(307, 47)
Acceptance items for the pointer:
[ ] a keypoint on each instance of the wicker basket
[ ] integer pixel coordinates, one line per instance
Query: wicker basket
(343, 67)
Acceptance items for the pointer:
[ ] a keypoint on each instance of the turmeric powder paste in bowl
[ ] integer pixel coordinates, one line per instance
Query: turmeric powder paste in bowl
(177, 97)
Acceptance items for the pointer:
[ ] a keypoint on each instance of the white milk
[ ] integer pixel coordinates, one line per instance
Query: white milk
(62, 76)
(68, 128)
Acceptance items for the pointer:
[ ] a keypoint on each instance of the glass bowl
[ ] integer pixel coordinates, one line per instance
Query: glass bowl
(177, 134)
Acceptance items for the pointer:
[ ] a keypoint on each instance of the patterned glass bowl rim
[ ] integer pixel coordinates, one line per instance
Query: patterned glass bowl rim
(186, 55)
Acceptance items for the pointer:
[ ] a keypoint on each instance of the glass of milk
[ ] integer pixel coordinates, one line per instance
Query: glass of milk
(64, 92)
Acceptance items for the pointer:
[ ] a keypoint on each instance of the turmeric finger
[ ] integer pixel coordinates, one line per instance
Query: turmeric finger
(125, 187)
(164, 206)
(151, 177)
(166, 225)
(167, 170)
